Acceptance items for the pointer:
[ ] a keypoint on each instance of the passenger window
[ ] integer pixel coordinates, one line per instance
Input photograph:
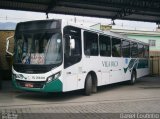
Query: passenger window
(116, 47)
(140, 50)
(134, 50)
(125, 48)
(105, 45)
(90, 43)
(146, 51)
(72, 46)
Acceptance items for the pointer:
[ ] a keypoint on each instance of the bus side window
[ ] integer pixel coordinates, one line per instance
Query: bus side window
(105, 45)
(125, 48)
(116, 47)
(134, 50)
(146, 51)
(90, 43)
(140, 51)
(72, 46)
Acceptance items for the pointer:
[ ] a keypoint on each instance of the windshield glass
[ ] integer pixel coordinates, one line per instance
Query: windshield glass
(38, 47)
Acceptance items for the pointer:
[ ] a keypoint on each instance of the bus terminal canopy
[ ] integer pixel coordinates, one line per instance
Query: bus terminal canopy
(139, 10)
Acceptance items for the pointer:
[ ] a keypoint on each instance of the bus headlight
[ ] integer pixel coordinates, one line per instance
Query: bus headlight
(53, 77)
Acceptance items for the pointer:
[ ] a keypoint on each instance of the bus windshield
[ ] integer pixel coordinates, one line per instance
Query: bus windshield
(38, 47)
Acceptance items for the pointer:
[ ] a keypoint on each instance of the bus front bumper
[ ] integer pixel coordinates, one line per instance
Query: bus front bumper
(53, 86)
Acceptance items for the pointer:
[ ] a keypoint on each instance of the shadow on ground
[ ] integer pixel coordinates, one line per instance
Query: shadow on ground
(66, 96)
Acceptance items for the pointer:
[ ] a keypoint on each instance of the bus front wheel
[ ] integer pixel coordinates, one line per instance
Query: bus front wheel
(88, 85)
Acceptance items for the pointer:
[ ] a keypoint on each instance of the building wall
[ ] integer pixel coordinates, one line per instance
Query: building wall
(4, 63)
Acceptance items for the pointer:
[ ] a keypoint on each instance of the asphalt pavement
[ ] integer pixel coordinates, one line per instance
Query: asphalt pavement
(110, 101)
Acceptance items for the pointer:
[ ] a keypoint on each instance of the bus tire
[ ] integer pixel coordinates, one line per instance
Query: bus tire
(133, 78)
(88, 85)
(94, 87)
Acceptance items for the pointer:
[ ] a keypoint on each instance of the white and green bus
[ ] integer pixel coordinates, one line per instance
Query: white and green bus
(56, 56)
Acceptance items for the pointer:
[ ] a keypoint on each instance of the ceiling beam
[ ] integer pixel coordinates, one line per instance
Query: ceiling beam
(141, 10)
(51, 5)
(96, 13)
(123, 13)
(139, 5)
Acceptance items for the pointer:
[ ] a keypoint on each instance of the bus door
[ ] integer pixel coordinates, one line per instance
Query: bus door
(105, 55)
(116, 70)
(72, 56)
(116, 62)
(105, 73)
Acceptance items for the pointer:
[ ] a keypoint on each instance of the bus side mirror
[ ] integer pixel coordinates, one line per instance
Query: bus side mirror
(72, 43)
(7, 45)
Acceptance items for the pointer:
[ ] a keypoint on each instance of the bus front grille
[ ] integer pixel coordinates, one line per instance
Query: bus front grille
(30, 84)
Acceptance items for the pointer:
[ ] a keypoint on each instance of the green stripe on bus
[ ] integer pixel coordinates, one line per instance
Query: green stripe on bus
(130, 65)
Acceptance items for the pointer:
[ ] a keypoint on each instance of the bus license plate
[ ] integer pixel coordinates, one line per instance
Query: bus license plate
(29, 85)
